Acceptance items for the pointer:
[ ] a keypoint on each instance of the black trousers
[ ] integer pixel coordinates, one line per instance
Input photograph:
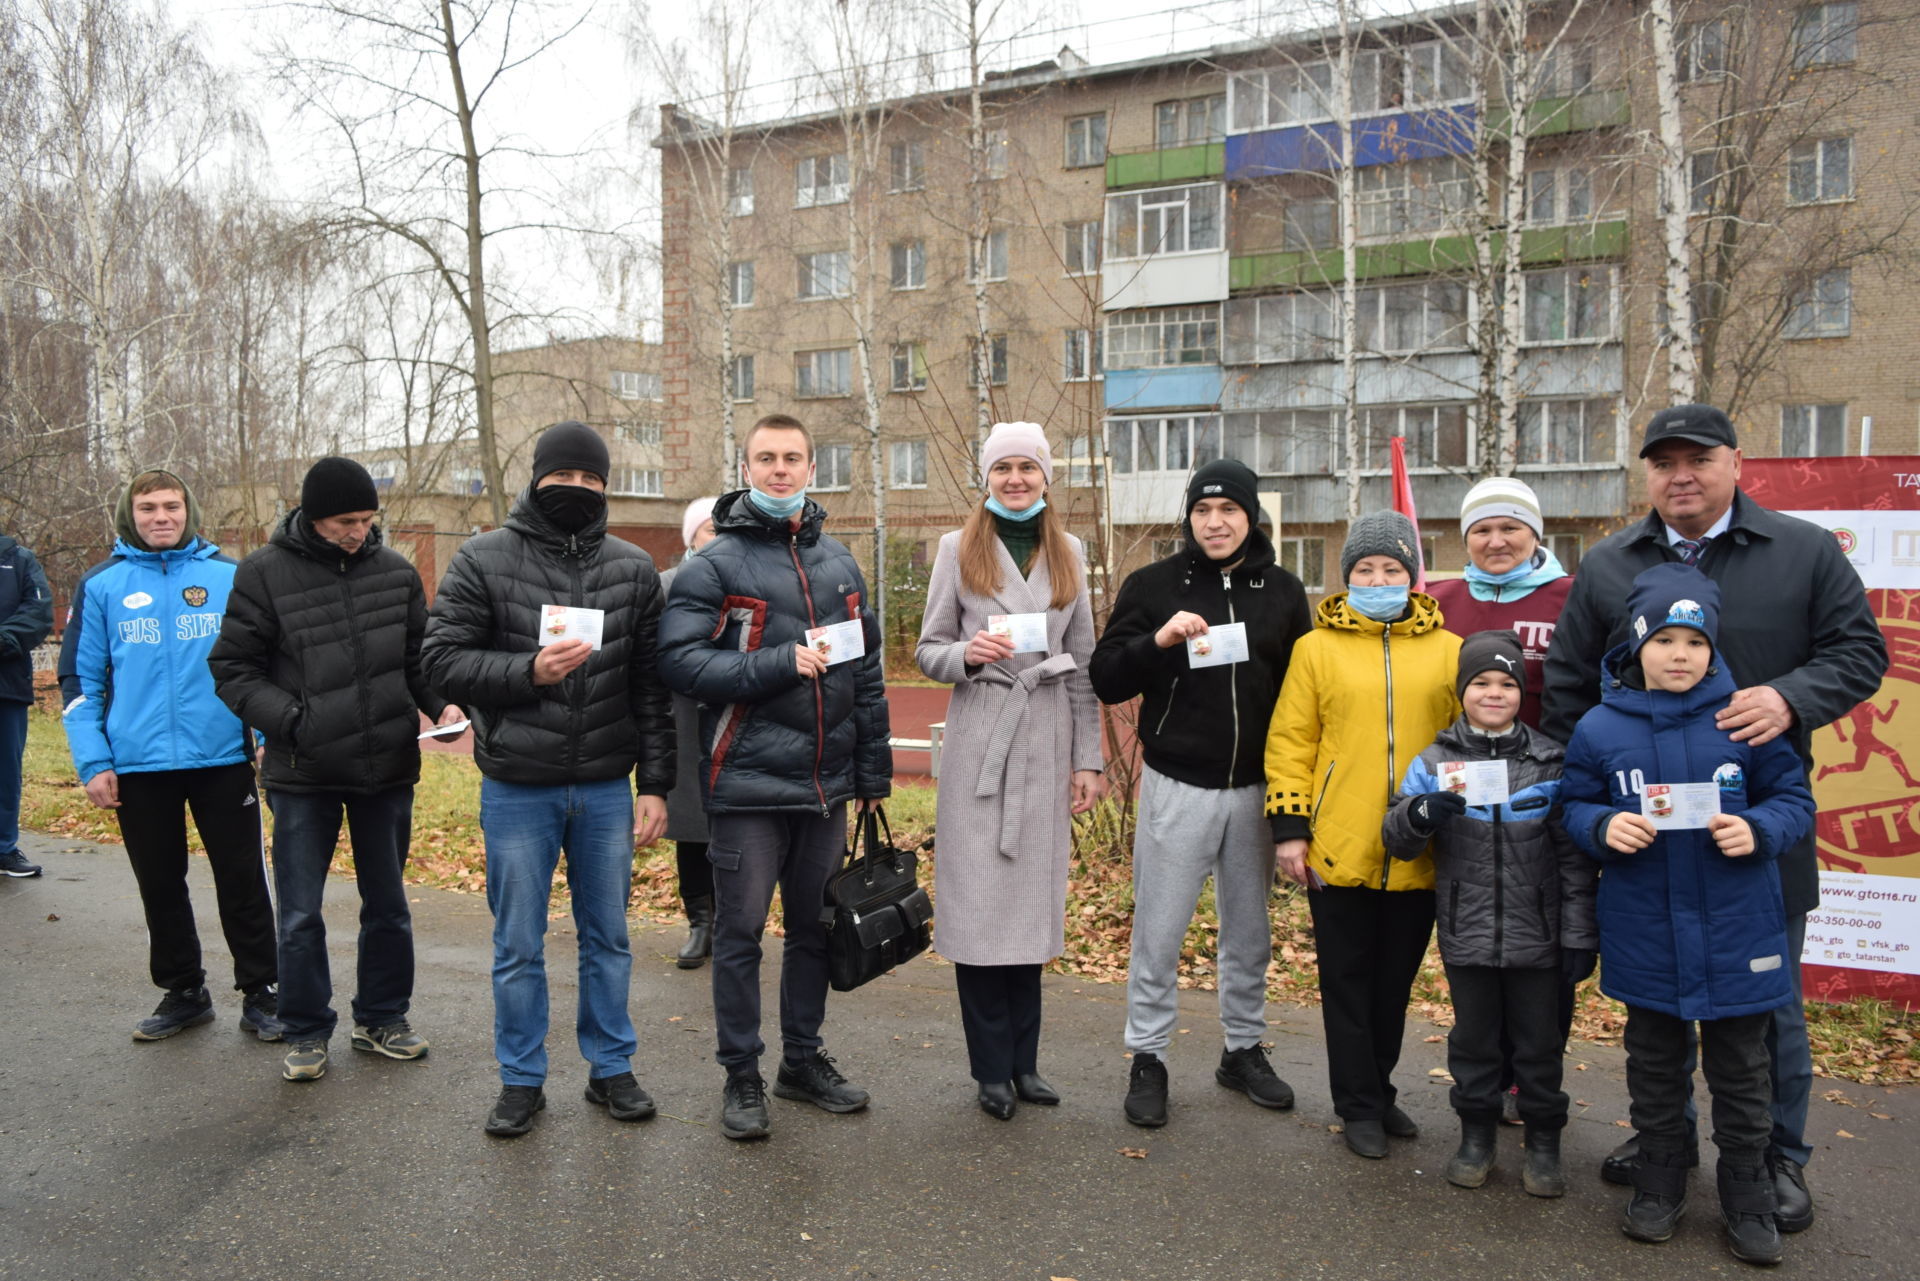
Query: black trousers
(1493, 1007)
(1565, 999)
(1370, 944)
(1733, 1056)
(1000, 1010)
(153, 827)
(696, 874)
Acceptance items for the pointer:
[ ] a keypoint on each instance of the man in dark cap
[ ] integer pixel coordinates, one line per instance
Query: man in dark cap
(545, 628)
(320, 652)
(1801, 643)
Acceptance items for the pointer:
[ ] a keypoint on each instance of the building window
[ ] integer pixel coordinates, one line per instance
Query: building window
(1555, 432)
(1703, 173)
(1168, 220)
(824, 275)
(1822, 308)
(1282, 96)
(820, 180)
(1431, 74)
(1080, 356)
(740, 284)
(1164, 337)
(1305, 559)
(907, 265)
(1175, 444)
(1083, 462)
(996, 359)
(1398, 319)
(739, 192)
(740, 378)
(1082, 254)
(1189, 121)
(1308, 225)
(628, 385)
(1703, 49)
(1813, 431)
(1436, 435)
(1820, 169)
(997, 148)
(469, 481)
(1086, 140)
(1284, 442)
(907, 464)
(1566, 549)
(385, 471)
(1418, 196)
(1569, 304)
(638, 433)
(1568, 70)
(823, 373)
(1557, 196)
(833, 467)
(994, 257)
(636, 482)
(906, 166)
(1282, 327)
(1823, 34)
(909, 367)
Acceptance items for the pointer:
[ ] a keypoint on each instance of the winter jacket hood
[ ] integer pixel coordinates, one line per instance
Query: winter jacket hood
(123, 511)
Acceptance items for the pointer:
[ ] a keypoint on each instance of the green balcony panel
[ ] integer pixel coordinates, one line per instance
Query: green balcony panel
(1604, 109)
(1297, 269)
(1172, 164)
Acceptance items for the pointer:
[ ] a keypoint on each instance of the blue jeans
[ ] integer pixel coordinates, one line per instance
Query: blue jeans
(306, 829)
(526, 829)
(13, 746)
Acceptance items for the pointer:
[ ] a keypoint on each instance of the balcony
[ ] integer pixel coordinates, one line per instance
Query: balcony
(1167, 164)
(1378, 140)
(1596, 109)
(1539, 247)
(1185, 387)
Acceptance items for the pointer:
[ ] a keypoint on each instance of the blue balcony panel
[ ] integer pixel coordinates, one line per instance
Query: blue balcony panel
(1378, 140)
(1188, 387)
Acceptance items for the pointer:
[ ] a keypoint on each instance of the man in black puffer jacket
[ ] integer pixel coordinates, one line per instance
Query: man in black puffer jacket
(320, 652)
(791, 736)
(561, 720)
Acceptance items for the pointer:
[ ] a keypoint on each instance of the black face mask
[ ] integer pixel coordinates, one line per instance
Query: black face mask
(571, 507)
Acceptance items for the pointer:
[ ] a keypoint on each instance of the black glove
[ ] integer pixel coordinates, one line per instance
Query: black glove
(1576, 964)
(1430, 811)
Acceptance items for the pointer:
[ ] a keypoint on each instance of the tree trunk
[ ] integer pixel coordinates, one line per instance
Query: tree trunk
(1675, 193)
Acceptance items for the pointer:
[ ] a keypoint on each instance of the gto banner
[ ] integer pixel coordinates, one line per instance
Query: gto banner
(1864, 939)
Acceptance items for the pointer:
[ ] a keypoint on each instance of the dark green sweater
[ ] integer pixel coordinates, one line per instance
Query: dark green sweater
(1021, 537)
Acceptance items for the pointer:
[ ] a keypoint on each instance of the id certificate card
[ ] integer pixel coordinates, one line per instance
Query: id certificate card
(1028, 632)
(839, 642)
(1220, 644)
(1477, 782)
(566, 622)
(1673, 807)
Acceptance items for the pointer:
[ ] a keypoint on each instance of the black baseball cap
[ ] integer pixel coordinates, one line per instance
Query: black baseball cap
(1701, 424)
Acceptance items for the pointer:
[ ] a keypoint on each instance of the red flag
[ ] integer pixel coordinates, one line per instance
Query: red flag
(1403, 502)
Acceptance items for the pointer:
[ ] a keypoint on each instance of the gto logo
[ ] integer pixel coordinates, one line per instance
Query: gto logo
(1847, 539)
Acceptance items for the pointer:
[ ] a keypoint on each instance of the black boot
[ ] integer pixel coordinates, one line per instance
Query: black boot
(1542, 1175)
(1659, 1195)
(1474, 1161)
(699, 945)
(1746, 1207)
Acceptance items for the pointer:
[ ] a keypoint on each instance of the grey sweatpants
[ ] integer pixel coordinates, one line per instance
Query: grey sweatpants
(1184, 834)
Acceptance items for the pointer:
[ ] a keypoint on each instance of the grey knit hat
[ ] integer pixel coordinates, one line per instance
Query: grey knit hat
(1386, 533)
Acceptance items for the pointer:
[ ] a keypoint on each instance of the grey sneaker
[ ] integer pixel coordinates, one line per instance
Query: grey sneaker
(395, 1040)
(306, 1061)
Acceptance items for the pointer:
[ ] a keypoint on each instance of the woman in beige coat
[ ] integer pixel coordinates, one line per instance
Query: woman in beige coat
(1009, 627)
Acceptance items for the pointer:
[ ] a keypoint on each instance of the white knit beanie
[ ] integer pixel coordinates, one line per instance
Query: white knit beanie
(1016, 440)
(698, 513)
(1501, 496)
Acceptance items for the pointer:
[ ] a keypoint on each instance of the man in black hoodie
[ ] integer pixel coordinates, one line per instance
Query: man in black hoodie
(1203, 732)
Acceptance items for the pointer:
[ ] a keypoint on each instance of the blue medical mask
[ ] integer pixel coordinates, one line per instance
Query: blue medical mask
(1000, 509)
(1381, 604)
(778, 507)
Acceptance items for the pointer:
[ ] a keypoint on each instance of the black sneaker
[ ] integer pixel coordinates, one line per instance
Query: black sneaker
(513, 1111)
(1147, 1091)
(14, 863)
(818, 1081)
(260, 1015)
(743, 1106)
(1747, 1211)
(1793, 1204)
(1659, 1198)
(176, 1011)
(1249, 1072)
(621, 1096)
(1618, 1165)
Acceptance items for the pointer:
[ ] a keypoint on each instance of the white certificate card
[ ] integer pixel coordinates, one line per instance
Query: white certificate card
(570, 622)
(1673, 807)
(1477, 782)
(1028, 632)
(1220, 644)
(838, 643)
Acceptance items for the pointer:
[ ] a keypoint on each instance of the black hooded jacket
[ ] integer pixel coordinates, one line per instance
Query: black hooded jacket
(1205, 727)
(610, 716)
(320, 651)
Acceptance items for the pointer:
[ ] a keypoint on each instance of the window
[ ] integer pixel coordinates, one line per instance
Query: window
(1436, 435)
(1822, 308)
(1164, 337)
(996, 145)
(1169, 220)
(833, 467)
(1423, 75)
(1082, 460)
(1812, 431)
(636, 482)
(1569, 304)
(1080, 356)
(385, 471)
(634, 386)
(1559, 196)
(1823, 34)
(1568, 70)
(1305, 559)
(1820, 170)
(1566, 549)
(1555, 432)
(994, 258)
(1082, 254)
(1407, 318)
(906, 166)
(740, 378)
(1419, 196)
(1436, 73)
(1703, 172)
(1282, 96)
(907, 265)
(820, 180)
(1282, 327)
(1189, 121)
(1177, 444)
(638, 433)
(823, 373)
(1308, 224)
(740, 284)
(739, 192)
(470, 481)
(907, 464)
(909, 367)
(996, 358)
(1086, 141)
(824, 275)
(1703, 49)
(1285, 442)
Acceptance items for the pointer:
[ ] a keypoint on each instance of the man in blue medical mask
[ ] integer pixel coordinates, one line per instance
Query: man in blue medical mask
(792, 728)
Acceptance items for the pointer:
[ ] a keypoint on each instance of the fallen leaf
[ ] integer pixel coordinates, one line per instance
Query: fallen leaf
(1442, 1073)
(674, 1018)
(1880, 1116)
(1625, 1125)
(53, 916)
(1137, 1154)
(806, 1236)
(1431, 1039)
(1842, 1134)
(1581, 1103)
(1579, 1067)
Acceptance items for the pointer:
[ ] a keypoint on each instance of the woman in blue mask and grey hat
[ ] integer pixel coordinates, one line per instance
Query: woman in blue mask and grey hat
(1367, 689)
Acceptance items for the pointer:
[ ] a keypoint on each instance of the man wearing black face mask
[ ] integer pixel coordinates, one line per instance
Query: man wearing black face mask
(546, 628)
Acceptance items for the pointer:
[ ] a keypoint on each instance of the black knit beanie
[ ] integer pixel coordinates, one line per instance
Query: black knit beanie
(1225, 478)
(570, 446)
(1491, 651)
(335, 485)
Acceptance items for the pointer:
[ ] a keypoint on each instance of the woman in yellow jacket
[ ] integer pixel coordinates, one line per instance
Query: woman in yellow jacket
(1367, 690)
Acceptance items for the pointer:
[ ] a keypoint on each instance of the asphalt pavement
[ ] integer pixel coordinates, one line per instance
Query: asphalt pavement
(192, 1158)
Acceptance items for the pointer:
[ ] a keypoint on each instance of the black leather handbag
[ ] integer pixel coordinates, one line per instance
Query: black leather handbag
(876, 914)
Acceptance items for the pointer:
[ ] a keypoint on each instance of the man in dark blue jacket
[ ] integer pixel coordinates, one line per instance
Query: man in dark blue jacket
(790, 735)
(26, 616)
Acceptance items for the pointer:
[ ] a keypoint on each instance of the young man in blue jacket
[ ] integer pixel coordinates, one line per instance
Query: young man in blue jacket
(150, 740)
(26, 616)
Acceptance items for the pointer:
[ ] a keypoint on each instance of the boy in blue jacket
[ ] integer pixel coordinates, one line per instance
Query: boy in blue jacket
(150, 741)
(1687, 823)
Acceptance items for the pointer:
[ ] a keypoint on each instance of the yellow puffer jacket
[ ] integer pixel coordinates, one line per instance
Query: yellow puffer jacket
(1361, 700)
